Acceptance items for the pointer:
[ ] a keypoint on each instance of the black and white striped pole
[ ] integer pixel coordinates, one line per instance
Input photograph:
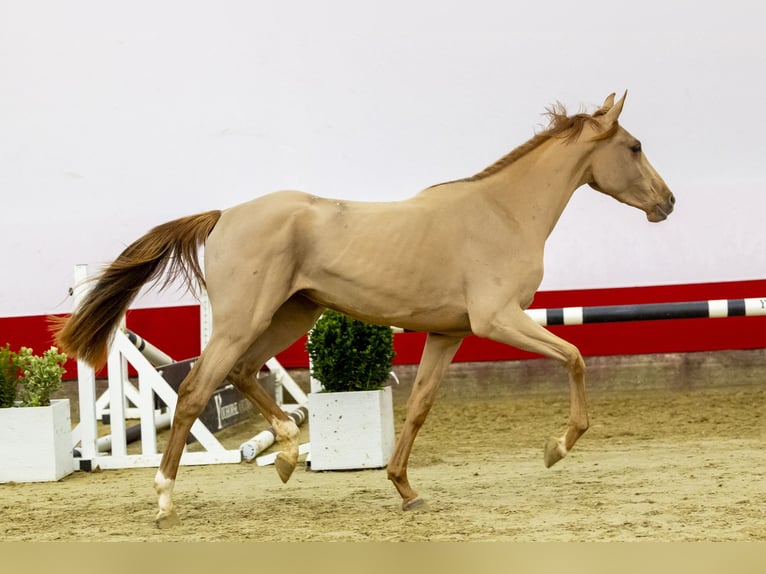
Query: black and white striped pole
(714, 308)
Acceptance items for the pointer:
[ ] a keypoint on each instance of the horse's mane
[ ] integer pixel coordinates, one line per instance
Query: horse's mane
(560, 125)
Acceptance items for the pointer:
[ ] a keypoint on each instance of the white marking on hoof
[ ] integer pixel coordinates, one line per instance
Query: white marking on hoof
(286, 430)
(164, 489)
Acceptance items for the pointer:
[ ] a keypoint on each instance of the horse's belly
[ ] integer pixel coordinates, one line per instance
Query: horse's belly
(416, 309)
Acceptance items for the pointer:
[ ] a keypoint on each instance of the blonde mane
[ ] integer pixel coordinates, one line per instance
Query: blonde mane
(560, 125)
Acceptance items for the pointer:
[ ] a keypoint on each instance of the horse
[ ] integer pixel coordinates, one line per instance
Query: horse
(459, 258)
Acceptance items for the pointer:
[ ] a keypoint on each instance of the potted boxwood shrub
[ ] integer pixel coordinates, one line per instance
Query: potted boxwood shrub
(35, 430)
(351, 421)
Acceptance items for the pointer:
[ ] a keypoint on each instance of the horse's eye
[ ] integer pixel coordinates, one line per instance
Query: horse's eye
(636, 148)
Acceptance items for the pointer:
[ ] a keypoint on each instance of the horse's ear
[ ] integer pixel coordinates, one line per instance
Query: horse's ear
(606, 106)
(614, 112)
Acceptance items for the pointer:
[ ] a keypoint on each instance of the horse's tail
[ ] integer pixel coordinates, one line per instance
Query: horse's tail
(170, 247)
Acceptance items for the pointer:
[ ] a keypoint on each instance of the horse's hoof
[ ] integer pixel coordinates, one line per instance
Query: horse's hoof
(167, 520)
(285, 466)
(416, 503)
(554, 451)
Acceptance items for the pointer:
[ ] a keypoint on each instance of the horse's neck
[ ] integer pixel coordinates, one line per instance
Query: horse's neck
(538, 186)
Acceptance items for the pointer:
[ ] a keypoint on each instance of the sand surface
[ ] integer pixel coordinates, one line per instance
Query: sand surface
(675, 452)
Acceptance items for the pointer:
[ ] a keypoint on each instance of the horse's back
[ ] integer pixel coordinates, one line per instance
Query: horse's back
(319, 220)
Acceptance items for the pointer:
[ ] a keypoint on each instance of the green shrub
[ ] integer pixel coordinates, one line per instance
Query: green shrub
(42, 378)
(9, 378)
(12, 367)
(30, 378)
(349, 355)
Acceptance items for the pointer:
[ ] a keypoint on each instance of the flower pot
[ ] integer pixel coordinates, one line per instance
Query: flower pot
(351, 430)
(36, 443)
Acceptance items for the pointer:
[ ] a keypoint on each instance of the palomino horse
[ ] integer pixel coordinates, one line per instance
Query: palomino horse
(459, 258)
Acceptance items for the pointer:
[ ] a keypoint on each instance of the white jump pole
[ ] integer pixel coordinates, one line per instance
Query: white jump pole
(132, 434)
(155, 356)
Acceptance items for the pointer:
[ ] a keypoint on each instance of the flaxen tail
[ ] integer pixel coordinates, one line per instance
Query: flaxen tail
(170, 248)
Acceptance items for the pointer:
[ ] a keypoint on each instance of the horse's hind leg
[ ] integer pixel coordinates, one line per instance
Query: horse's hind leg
(196, 389)
(291, 321)
(437, 355)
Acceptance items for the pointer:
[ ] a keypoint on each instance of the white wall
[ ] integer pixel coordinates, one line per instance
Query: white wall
(115, 117)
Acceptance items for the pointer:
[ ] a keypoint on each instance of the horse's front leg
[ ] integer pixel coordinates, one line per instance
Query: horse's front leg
(514, 327)
(193, 394)
(437, 355)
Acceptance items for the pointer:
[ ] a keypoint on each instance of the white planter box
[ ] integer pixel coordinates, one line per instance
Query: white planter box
(351, 430)
(36, 443)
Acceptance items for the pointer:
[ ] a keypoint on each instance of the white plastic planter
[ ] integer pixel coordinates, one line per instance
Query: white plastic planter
(351, 430)
(36, 443)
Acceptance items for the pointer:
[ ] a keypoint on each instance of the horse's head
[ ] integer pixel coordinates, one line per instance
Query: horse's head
(620, 169)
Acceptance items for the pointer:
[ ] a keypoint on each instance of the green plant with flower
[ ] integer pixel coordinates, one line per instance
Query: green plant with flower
(29, 379)
(349, 355)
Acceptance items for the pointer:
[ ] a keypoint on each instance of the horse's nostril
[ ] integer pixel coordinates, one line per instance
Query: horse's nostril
(672, 199)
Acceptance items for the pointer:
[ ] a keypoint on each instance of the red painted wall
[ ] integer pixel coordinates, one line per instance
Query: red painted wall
(176, 330)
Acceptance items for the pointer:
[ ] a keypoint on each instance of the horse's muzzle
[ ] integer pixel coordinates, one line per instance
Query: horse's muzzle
(661, 211)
